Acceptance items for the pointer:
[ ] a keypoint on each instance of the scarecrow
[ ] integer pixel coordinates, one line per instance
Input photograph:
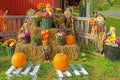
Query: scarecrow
(45, 46)
(46, 52)
(69, 19)
(101, 31)
(93, 27)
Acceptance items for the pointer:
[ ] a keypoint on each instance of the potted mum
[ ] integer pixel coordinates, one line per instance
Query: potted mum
(112, 51)
(10, 46)
(36, 19)
(57, 10)
(36, 40)
(56, 22)
(25, 36)
(47, 17)
(41, 6)
(111, 47)
(61, 37)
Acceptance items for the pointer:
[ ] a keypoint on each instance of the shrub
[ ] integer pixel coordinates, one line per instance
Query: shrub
(105, 6)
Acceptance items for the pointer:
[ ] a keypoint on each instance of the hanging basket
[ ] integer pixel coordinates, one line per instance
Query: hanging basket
(111, 53)
(47, 22)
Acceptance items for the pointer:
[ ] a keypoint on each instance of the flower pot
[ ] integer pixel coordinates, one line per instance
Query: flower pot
(26, 40)
(36, 43)
(37, 24)
(41, 10)
(111, 53)
(10, 50)
(47, 23)
(56, 25)
(62, 42)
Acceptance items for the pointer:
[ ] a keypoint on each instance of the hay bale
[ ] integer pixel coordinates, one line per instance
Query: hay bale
(35, 52)
(71, 50)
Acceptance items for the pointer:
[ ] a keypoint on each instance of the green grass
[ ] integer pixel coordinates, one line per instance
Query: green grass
(99, 68)
(113, 21)
(115, 8)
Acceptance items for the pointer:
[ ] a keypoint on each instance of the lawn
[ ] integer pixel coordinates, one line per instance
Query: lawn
(99, 68)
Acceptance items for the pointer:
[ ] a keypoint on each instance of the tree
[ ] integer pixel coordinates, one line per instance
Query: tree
(109, 1)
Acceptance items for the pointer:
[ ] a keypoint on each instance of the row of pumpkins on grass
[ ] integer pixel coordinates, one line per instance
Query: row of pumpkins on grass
(60, 61)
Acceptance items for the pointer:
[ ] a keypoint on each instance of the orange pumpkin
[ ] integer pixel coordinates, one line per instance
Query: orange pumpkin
(18, 59)
(61, 61)
(70, 39)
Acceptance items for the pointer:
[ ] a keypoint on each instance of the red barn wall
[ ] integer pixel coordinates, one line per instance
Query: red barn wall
(58, 3)
(19, 7)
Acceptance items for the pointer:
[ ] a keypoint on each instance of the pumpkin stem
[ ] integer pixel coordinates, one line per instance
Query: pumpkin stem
(62, 53)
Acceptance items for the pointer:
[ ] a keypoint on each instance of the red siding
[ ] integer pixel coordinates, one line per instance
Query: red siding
(58, 3)
(19, 7)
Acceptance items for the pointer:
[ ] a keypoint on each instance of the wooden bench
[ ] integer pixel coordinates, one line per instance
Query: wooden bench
(72, 70)
(12, 71)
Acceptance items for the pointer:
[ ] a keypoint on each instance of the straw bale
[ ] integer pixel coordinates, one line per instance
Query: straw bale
(71, 50)
(35, 52)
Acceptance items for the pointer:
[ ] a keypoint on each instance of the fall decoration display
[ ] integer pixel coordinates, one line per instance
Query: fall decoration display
(18, 59)
(61, 61)
(70, 39)
(48, 36)
(36, 51)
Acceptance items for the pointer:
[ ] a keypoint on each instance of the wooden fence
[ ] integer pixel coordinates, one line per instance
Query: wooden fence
(81, 30)
(14, 24)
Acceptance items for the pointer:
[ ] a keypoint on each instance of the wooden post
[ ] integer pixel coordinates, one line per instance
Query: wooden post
(88, 9)
(82, 7)
(87, 24)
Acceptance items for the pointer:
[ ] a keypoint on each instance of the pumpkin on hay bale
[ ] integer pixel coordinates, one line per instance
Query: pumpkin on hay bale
(70, 39)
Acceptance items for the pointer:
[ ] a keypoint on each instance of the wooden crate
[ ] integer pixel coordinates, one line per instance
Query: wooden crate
(12, 71)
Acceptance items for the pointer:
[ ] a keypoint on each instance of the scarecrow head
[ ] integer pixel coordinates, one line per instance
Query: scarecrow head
(100, 18)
